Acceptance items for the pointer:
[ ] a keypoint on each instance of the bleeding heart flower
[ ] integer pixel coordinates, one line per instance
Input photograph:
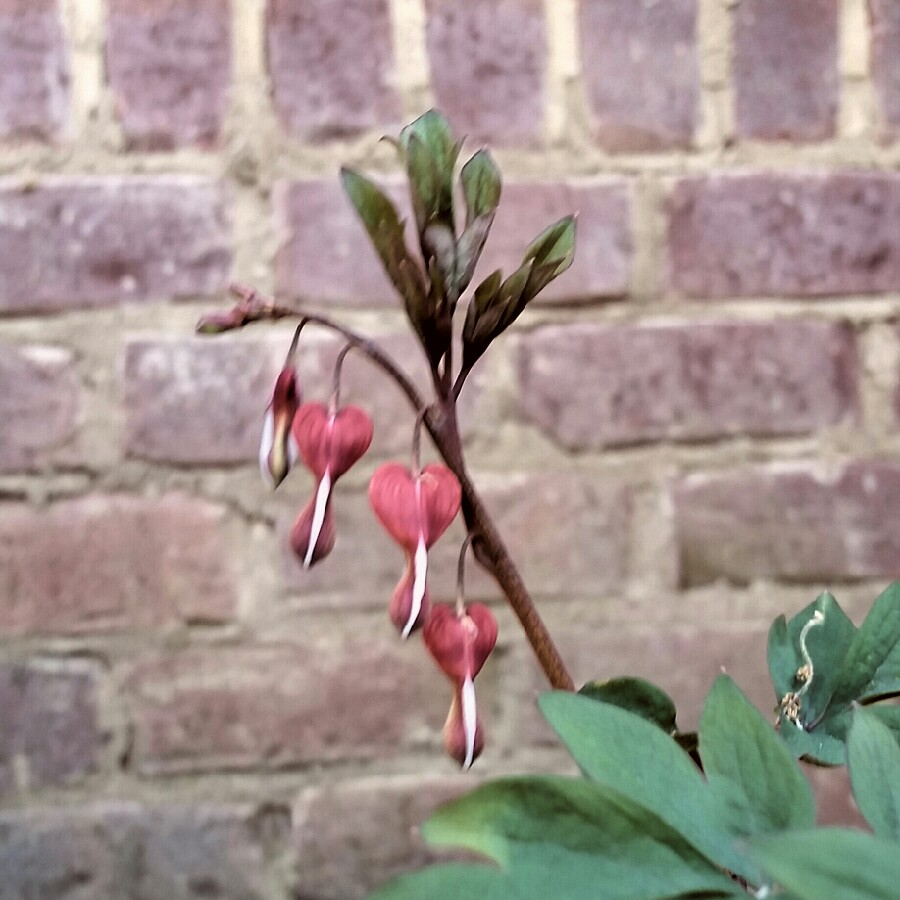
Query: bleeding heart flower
(460, 643)
(330, 442)
(415, 510)
(278, 449)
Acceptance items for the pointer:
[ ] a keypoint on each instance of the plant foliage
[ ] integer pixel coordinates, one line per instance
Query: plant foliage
(646, 821)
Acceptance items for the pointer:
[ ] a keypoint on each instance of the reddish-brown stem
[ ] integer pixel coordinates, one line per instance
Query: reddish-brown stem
(441, 421)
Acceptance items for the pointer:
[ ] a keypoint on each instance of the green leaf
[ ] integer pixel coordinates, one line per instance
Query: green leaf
(756, 782)
(637, 759)
(827, 644)
(468, 249)
(872, 662)
(551, 253)
(451, 881)
(481, 186)
(636, 695)
(831, 864)
(873, 758)
(439, 243)
(431, 155)
(567, 837)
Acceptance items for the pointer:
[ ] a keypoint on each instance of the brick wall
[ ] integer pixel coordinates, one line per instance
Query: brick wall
(696, 431)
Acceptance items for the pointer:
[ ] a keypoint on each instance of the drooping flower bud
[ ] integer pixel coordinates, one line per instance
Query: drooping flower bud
(460, 642)
(278, 448)
(415, 510)
(330, 442)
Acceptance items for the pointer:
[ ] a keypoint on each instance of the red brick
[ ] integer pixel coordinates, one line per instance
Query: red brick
(352, 837)
(202, 400)
(834, 800)
(488, 64)
(107, 850)
(603, 242)
(109, 562)
(50, 734)
(169, 67)
(198, 400)
(347, 696)
(332, 75)
(98, 242)
(793, 524)
(806, 235)
(885, 16)
(641, 72)
(34, 70)
(683, 659)
(785, 69)
(39, 407)
(325, 255)
(596, 385)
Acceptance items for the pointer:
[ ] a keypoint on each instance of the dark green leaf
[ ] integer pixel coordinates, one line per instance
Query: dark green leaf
(831, 864)
(637, 759)
(469, 247)
(756, 782)
(551, 253)
(481, 186)
(872, 662)
(873, 758)
(431, 159)
(636, 695)
(439, 243)
(569, 837)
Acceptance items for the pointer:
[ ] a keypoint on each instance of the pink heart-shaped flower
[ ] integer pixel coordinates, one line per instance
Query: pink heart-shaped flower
(331, 443)
(460, 644)
(412, 508)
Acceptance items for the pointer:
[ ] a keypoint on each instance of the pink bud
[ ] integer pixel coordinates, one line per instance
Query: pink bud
(301, 533)
(463, 740)
(415, 510)
(278, 449)
(403, 609)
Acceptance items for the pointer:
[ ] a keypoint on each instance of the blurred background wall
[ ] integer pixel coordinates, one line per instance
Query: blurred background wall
(696, 431)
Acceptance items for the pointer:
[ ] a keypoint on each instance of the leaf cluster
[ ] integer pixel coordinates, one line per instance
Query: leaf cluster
(647, 821)
(432, 286)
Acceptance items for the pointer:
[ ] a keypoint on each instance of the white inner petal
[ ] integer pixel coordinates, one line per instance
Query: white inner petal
(420, 570)
(318, 516)
(470, 719)
(293, 450)
(265, 446)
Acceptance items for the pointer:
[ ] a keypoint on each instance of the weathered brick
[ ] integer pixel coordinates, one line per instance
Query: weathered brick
(353, 837)
(103, 241)
(793, 524)
(785, 69)
(596, 385)
(345, 696)
(567, 534)
(683, 659)
(806, 235)
(106, 562)
(201, 401)
(488, 67)
(641, 72)
(169, 67)
(885, 15)
(125, 850)
(325, 254)
(39, 406)
(603, 257)
(50, 734)
(332, 75)
(34, 78)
